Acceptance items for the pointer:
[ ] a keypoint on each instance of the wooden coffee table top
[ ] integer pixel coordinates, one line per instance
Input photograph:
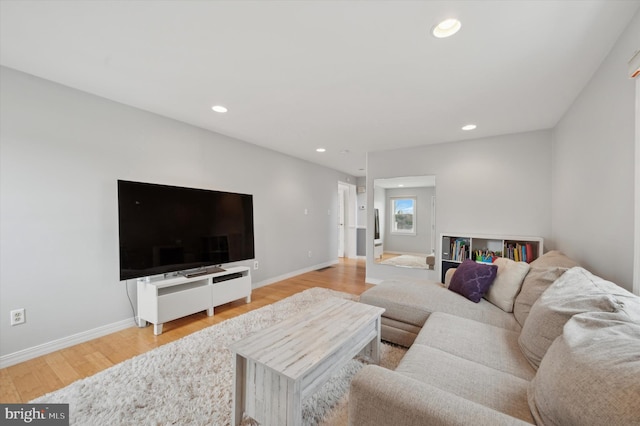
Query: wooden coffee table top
(295, 345)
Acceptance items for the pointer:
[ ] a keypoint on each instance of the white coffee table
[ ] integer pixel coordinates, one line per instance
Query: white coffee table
(278, 367)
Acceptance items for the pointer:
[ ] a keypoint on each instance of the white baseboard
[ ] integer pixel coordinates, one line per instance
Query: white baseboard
(55, 345)
(294, 273)
(370, 280)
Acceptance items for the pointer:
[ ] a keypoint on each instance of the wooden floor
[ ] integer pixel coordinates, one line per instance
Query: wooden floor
(31, 379)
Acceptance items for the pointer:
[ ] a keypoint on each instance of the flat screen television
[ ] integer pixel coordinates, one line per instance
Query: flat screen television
(165, 229)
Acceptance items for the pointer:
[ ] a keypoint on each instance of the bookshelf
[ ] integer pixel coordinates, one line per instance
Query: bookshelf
(457, 247)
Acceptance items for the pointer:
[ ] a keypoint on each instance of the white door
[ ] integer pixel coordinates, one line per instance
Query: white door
(341, 219)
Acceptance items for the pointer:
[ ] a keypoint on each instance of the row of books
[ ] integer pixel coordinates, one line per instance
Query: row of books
(459, 249)
(519, 252)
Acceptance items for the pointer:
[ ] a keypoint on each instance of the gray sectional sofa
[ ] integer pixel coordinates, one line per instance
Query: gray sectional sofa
(549, 344)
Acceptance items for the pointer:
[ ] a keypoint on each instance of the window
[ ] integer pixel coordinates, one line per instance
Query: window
(403, 217)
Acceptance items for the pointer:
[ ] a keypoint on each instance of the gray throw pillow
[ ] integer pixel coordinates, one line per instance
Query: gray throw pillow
(554, 258)
(591, 373)
(544, 271)
(535, 283)
(576, 291)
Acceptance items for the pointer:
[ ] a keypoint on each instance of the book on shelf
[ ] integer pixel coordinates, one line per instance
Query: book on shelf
(520, 252)
(529, 251)
(460, 249)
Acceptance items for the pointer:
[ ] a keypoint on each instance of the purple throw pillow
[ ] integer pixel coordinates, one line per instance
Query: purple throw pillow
(472, 280)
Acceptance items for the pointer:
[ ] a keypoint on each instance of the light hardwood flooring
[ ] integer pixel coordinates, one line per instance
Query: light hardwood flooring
(31, 379)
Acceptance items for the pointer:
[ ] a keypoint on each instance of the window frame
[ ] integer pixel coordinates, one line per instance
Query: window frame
(392, 217)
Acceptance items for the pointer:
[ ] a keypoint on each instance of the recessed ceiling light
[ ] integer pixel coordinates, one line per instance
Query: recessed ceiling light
(400, 185)
(320, 150)
(469, 127)
(219, 108)
(446, 28)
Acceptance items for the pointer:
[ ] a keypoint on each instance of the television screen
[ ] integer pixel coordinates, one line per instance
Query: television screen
(169, 229)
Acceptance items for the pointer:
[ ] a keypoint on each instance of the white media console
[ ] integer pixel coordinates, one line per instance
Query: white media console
(164, 300)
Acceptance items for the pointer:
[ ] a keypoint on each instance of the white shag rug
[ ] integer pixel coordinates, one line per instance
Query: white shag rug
(407, 261)
(189, 381)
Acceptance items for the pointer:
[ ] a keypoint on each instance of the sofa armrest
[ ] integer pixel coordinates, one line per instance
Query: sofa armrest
(382, 397)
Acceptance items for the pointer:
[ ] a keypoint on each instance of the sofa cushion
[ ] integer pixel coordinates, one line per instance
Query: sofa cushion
(485, 344)
(404, 299)
(554, 259)
(544, 271)
(534, 284)
(576, 291)
(467, 379)
(381, 397)
(590, 374)
(472, 280)
(398, 332)
(506, 286)
(412, 300)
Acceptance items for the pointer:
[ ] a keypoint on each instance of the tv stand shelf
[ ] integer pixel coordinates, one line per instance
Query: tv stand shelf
(164, 300)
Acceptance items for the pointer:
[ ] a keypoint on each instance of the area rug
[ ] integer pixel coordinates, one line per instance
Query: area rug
(189, 381)
(407, 261)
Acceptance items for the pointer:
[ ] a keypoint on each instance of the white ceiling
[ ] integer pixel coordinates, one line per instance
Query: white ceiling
(353, 76)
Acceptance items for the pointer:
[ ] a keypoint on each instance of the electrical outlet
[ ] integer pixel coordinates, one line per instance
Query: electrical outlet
(17, 316)
(310, 253)
(256, 265)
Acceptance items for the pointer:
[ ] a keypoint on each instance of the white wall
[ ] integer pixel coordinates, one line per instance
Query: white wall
(593, 169)
(62, 153)
(497, 185)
